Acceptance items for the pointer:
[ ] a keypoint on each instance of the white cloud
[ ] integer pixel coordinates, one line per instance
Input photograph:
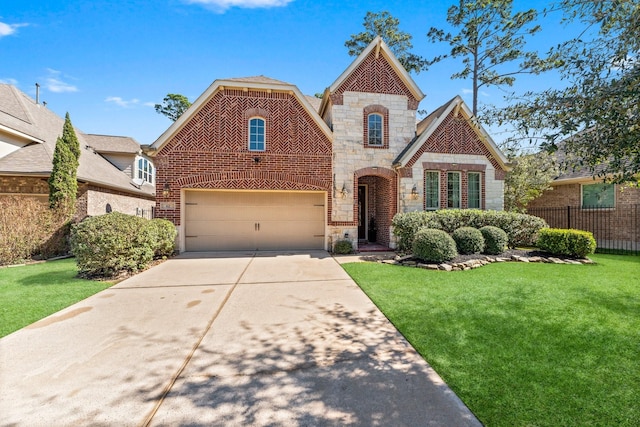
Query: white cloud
(8, 29)
(9, 81)
(121, 102)
(149, 104)
(466, 91)
(55, 84)
(222, 5)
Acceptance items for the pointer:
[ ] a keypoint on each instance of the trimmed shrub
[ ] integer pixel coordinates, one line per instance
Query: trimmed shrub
(495, 240)
(559, 241)
(164, 236)
(107, 245)
(468, 240)
(434, 245)
(343, 247)
(521, 229)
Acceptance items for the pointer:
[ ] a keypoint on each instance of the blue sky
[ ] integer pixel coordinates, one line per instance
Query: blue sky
(108, 62)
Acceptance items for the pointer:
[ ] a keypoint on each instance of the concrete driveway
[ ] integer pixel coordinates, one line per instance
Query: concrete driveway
(212, 339)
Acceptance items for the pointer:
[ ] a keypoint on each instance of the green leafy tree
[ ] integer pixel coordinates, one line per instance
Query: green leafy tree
(386, 26)
(63, 181)
(491, 42)
(529, 177)
(597, 113)
(173, 106)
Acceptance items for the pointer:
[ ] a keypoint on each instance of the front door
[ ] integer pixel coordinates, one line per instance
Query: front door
(362, 212)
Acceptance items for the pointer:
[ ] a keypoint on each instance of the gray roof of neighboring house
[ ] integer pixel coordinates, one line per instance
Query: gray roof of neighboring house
(572, 173)
(112, 144)
(21, 113)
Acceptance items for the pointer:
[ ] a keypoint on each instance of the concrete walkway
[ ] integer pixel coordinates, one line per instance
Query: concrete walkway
(217, 339)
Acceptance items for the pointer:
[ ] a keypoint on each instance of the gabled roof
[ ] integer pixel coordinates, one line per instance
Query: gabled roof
(381, 48)
(112, 144)
(259, 82)
(36, 159)
(430, 123)
(14, 115)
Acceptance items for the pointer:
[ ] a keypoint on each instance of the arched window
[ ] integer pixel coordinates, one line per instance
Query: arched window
(374, 129)
(144, 170)
(256, 134)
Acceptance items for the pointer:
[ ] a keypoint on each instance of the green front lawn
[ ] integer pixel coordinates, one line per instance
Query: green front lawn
(524, 344)
(29, 293)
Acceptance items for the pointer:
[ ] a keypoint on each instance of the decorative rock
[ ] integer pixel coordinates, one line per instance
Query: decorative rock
(515, 257)
(556, 260)
(456, 269)
(410, 263)
(587, 261)
(404, 258)
(445, 267)
(535, 259)
(466, 268)
(500, 259)
(572, 261)
(389, 261)
(523, 259)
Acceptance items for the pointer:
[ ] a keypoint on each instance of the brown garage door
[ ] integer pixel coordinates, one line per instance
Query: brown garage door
(243, 220)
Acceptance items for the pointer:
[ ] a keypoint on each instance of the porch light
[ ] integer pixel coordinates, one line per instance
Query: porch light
(414, 193)
(166, 190)
(344, 192)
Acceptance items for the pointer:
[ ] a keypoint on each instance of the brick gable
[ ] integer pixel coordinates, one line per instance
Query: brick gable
(456, 136)
(375, 75)
(211, 150)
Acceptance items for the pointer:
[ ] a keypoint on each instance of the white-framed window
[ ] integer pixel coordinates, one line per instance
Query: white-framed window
(256, 134)
(145, 170)
(453, 190)
(431, 190)
(599, 195)
(474, 190)
(374, 131)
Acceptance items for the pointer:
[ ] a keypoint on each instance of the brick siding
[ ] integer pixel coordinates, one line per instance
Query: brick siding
(211, 150)
(456, 136)
(374, 75)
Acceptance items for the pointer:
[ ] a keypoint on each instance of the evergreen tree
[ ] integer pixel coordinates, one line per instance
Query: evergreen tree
(386, 26)
(63, 182)
(173, 106)
(491, 42)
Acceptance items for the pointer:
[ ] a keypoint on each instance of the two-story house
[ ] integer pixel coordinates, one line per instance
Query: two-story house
(113, 173)
(255, 164)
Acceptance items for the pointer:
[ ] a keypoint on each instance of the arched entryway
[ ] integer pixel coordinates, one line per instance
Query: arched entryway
(376, 204)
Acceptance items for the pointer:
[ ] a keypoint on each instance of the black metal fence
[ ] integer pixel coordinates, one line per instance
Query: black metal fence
(146, 213)
(615, 229)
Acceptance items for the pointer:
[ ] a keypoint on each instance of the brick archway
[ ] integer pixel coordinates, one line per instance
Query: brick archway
(381, 202)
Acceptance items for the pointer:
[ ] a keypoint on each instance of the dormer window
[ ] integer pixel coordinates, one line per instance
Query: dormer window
(145, 170)
(375, 129)
(256, 134)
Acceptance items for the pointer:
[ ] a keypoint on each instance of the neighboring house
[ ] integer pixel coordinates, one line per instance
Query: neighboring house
(254, 164)
(577, 200)
(113, 174)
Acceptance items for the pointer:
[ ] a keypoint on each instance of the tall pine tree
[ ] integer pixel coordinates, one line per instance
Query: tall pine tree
(63, 182)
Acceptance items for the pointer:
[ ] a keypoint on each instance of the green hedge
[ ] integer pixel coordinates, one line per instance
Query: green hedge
(468, 240)
(570, 242)
(107, 245)
(521, 229)
(434, 245)
(343, 247)
(495, 240)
